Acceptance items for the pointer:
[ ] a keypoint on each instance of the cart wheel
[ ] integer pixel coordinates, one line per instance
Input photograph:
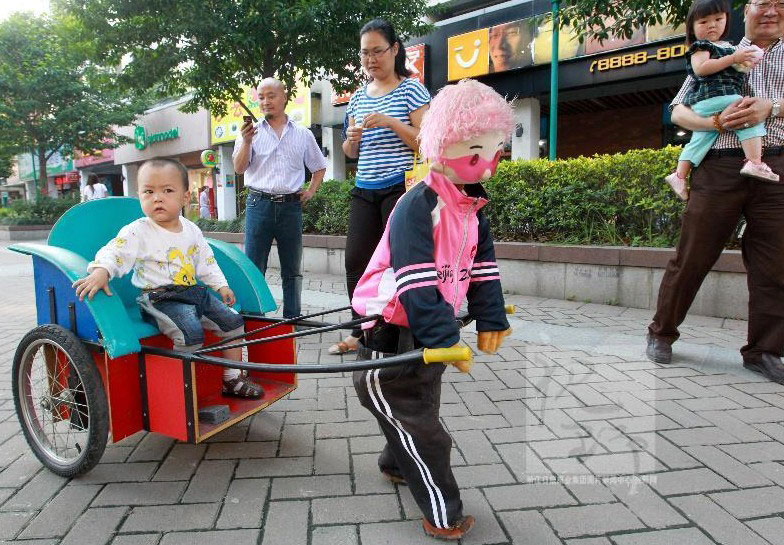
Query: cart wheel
(60, 400)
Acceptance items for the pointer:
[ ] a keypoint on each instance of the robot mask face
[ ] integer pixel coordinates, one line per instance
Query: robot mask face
(473, 160)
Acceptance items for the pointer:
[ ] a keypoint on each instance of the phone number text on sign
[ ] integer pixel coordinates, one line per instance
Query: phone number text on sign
(641, 57)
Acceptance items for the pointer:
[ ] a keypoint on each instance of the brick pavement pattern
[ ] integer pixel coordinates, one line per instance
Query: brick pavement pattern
(568, 435)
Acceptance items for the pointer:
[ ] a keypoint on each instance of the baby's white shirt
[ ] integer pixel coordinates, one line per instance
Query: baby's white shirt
(159, 257)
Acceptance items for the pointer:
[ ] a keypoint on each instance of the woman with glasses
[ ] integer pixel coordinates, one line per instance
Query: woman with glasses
(383, 119)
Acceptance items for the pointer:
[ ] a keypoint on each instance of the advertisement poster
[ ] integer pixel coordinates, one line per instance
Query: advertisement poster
(592, 45)
(655, 33)
(527, 42)
(511, 45)
(225, 129)
(568, 44)
(468, 55)
(56, 165)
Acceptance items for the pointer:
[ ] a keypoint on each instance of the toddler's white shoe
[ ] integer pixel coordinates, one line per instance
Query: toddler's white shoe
(759, 171)
(678, 185)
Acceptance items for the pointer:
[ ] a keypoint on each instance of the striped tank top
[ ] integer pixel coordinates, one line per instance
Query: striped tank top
(383, 156)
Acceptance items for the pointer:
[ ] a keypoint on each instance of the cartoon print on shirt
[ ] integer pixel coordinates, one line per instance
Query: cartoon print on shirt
(186, 274)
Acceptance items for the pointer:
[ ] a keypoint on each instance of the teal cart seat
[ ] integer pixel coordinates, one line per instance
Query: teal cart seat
(116, 321)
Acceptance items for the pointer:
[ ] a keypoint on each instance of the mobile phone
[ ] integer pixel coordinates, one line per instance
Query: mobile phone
(246, 119)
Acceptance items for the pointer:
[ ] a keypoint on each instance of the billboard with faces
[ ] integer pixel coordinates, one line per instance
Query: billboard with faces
(528, 42)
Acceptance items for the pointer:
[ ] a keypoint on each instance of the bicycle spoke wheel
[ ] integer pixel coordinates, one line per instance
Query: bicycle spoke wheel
(60, 400)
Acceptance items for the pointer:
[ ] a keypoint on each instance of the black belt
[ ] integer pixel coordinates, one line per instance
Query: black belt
(738, 152)
(283, 197)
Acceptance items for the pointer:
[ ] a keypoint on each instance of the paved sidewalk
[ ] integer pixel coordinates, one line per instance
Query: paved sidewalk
(568, 435)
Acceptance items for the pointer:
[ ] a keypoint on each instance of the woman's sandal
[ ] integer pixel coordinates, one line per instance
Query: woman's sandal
(342, 347)
(242, 387)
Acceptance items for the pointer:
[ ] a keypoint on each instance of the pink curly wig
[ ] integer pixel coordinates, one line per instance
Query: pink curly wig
(460, 112)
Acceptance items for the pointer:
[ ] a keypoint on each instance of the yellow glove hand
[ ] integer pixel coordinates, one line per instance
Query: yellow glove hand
(463, 366)
(490, 341)
(445, 355)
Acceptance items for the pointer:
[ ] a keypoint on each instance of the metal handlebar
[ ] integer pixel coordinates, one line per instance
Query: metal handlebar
(414, 356)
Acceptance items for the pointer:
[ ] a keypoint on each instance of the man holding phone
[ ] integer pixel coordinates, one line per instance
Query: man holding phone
(273, 155)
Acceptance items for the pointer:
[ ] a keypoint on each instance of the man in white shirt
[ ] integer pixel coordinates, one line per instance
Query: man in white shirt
(273, 155)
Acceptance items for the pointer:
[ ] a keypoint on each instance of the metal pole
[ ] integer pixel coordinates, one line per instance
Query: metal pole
(554, 82)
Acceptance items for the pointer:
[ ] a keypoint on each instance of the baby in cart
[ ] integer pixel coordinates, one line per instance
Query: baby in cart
(168, 254)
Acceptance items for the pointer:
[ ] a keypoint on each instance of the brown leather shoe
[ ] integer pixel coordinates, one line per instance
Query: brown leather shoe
(769, 365)
(658, 350)
(450, 534)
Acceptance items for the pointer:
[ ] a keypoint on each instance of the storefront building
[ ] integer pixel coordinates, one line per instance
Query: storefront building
(166, 132)
(100, 163)
(12, 188)
(613, 96)
(62, 177)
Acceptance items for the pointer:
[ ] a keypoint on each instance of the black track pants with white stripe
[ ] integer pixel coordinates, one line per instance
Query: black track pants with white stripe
(405, 400)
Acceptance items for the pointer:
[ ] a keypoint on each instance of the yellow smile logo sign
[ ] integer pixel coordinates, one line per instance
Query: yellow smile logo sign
(468, 55)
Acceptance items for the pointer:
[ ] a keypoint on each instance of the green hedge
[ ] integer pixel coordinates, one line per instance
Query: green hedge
(325, 214)
(44, 211)
(619, 199)
(607, 199)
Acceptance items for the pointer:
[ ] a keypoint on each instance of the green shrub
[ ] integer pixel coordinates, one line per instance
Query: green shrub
(236, 225)
(44, 211)
(616, 199)
(327, 212)
(619, 199)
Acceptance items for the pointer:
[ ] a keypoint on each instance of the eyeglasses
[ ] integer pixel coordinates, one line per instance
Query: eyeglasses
(764, 6)
(376, 53)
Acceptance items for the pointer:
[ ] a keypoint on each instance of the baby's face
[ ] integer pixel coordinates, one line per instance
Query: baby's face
(162, 195)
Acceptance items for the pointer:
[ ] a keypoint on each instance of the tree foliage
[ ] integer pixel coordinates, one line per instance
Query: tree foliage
(603, 19)
(52, 98)
(6, 166)
(213, 48)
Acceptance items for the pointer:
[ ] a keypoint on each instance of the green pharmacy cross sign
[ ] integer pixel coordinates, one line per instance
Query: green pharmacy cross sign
(142, 138)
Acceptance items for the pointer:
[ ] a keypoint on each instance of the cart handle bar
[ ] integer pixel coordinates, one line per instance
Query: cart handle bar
(270, 326)
(295, 334)
(462, 322)
(427, 355)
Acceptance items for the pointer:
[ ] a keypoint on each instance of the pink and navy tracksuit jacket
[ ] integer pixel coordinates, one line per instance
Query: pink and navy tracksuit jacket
(436, 251)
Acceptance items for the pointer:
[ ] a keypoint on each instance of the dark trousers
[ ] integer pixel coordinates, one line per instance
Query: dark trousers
(405, 400)
(719, 195)
(266, 221)
(367, 219)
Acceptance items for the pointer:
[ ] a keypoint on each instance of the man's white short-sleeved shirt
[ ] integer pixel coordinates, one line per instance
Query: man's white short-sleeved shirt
(277, 165)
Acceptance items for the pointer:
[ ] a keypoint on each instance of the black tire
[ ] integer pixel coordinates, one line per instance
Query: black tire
(73, 400)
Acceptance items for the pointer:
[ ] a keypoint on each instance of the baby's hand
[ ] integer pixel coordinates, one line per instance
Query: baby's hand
(748, 57)
(91, 284)
(227, 295)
